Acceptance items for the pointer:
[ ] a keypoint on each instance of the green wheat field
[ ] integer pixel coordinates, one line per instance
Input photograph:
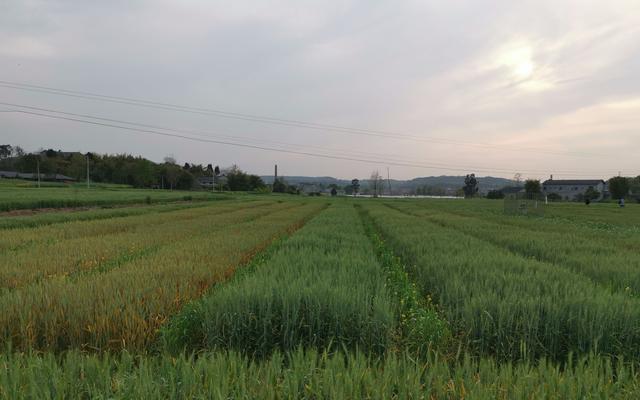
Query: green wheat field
(202, 295)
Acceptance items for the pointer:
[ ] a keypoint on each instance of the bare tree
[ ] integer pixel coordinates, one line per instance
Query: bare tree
(376, 183)
(517, 178)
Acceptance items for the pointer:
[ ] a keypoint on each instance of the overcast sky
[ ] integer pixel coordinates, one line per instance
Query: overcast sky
(494, 87)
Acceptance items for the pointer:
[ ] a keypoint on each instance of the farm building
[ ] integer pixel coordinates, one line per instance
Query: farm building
(207, 182)
(573, 189)
(33, 177)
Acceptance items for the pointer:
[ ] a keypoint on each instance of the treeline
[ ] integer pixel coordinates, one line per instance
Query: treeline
(619, 187)
(126, 169)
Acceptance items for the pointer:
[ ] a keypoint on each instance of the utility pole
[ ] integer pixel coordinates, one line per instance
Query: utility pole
(213, 180)
(389, 181)
(38, 169)
(87, 170)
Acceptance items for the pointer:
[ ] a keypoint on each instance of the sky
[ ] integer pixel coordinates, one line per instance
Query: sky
(494, 87)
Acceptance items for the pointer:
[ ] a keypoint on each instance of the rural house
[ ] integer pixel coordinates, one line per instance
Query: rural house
(573, 189)
(33, 177)
(207, 182)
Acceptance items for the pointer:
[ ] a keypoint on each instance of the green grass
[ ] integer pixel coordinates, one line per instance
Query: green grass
(419, 327)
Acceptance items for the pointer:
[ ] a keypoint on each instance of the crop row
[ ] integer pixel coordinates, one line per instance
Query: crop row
(122, 307)
(24, 237)
(306, 375)
(596, 218)
(108, 243)
(506, 304)
(16, 198)
(50, 218)
(603, 261)
(322, 287)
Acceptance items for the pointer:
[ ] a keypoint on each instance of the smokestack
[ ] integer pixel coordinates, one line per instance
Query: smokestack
(551, 178)
(276, 172)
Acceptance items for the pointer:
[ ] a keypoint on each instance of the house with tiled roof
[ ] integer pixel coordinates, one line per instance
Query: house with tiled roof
(573, 189)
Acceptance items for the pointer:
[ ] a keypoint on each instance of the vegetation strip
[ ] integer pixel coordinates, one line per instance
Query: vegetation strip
(184, 330)
(605, 263)
(15, 239)
(17, 198)
(338, 309)
(420, 327)
(92, 214)
(306, 375)
(123, 308)
(506, 305)
(321, 288)
(111, 242)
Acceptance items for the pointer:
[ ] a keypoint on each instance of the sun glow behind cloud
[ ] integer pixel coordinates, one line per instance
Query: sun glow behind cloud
(517, 60)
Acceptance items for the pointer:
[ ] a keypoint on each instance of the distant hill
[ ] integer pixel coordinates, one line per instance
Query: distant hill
(448, 184)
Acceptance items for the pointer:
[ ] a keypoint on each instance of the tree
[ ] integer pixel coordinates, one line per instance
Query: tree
(185, 180)
(28, 163)
(634, 188)
(619, 187)
(376, 183)
(279, 186)
(18, 151)
(334, 191)
(532, 186)
(591, 194)
(237, 180)
(427, 190)
(470, 186)
(554, 197)
(5, 151)
(355, 186)
(292, 189)
(169, 160)
(256, 183)
(495, 194)
(77, 167)
(171, 172)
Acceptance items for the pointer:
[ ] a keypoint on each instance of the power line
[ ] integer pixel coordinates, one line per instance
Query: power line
(273, 120)
(199, 133)
(223, 142)
(182, 131)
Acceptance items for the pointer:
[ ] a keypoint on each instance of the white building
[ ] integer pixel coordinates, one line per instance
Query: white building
(573, 188)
